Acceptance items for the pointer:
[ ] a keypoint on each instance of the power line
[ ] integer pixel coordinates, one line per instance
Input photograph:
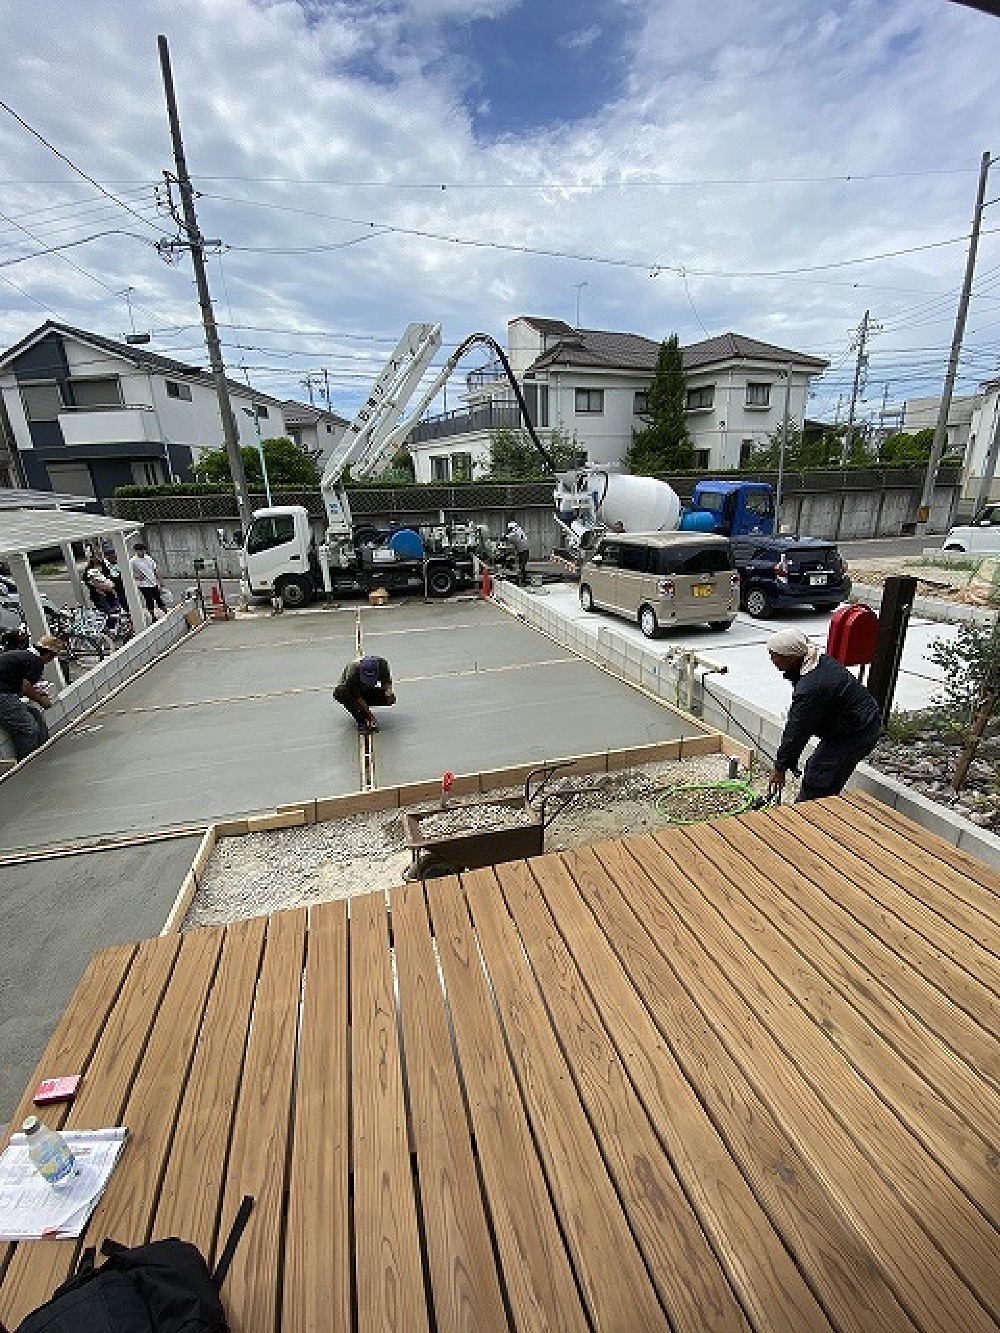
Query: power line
(73, 167)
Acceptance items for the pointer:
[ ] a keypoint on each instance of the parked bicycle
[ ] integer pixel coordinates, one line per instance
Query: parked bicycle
(84, 632)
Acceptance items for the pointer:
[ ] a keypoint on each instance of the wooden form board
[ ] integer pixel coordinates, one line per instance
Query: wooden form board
(741, 1076)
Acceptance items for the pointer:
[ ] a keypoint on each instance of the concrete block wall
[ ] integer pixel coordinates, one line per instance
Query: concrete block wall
(109, 675)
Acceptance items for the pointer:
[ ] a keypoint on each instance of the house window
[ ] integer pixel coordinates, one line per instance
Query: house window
(537, 398)
(640, 404)
(701, 460)
(261, 410)
(439, 468)
(589, 400)
(758, 395)
(71, 479)
(461, 467)
(700, 400)
(178, 390)
(746, 449)
(42, 402)
(106, 392)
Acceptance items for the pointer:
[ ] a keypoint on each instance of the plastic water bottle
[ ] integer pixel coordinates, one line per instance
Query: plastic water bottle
(48, 1151)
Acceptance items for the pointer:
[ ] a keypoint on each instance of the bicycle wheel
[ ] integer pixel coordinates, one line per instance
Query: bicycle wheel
(87, 649)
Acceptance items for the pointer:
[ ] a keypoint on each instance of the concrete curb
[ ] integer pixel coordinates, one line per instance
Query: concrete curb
(930, 608)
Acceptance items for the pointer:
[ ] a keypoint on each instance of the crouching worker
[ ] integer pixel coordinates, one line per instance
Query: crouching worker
(363, 686)
(828, 702)
(20, 681)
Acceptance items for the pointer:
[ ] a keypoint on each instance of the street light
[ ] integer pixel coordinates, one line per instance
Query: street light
(252, 412)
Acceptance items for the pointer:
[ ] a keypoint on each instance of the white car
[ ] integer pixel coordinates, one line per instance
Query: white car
(981, 536)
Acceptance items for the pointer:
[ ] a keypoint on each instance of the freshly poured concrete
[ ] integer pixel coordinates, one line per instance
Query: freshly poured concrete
(240, 718)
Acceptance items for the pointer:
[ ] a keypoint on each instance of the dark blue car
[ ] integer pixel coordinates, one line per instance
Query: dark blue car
(781, 572)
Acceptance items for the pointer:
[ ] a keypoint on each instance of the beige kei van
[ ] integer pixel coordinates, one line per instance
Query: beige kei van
(660, 579)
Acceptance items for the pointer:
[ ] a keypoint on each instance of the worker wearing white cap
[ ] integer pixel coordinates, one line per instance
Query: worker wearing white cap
(827, 702)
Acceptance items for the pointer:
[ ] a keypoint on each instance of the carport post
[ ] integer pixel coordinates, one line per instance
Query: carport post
(31, 608)
(136, 606)
(73, 573)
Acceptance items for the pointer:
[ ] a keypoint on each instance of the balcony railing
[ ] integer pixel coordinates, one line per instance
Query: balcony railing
(108, 425)
(467, 421)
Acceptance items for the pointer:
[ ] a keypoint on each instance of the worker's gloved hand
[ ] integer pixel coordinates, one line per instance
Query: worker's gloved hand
(390, 698)
(776, 781)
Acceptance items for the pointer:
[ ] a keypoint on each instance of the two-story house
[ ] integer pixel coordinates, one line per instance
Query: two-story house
(591, 386)
(86, 414)
(314, 429)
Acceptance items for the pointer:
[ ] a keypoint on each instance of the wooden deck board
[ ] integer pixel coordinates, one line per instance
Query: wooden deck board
(191, 1191)
(317, 1279)
(697, 1295)
(794, 1261)
(388, 1261)
(37, 1269)
(744, 1077)
(590, 1211)
(539, 1282)
(463, 1272)
(781, 1061)
(908, 1071)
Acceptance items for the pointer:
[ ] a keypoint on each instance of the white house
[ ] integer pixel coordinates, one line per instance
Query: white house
(87, 414)
(591, 386)
(314, 429)
(979, 475)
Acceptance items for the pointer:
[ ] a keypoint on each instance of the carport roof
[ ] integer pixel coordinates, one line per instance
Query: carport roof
(28, 530)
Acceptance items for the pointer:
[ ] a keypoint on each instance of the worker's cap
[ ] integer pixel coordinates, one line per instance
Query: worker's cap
(368, 669)
(48, 643)
(788, 643)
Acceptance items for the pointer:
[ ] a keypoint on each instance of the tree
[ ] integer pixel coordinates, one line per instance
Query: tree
(802, 450)
(903, 447)
(513, 455)
(663, 445)
(287, 465)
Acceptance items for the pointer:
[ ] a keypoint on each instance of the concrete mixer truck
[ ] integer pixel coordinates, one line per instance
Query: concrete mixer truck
(594, 500)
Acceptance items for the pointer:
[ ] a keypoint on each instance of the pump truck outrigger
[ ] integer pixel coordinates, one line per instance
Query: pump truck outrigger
(280, 557)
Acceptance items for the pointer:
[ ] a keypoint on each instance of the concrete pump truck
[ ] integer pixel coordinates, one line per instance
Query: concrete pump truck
(281, 558)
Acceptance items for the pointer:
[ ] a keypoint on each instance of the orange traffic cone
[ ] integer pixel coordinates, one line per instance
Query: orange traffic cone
(216, 598)
(486, 587)
(218, 608)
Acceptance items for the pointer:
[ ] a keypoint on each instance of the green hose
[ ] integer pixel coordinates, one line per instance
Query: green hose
(746, 792)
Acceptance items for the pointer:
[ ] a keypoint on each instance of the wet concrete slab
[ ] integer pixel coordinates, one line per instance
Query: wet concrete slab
(240, 718)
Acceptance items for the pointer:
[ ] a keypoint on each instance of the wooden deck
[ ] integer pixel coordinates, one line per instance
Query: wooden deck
(740, 1076)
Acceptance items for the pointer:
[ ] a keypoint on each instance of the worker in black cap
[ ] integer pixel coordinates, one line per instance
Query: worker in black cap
(20, 681)
(828, 702)
(363, 686)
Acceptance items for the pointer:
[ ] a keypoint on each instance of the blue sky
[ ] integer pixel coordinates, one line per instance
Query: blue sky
(670, 166)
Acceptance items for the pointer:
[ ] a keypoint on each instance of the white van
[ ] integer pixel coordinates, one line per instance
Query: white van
(980, 537)
(660, 579)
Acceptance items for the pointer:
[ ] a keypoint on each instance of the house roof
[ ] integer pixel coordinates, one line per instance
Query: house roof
(601, 350)
(138, 356)
(306, 414)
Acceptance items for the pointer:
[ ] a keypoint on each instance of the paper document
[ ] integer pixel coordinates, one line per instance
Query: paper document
(32, 1209)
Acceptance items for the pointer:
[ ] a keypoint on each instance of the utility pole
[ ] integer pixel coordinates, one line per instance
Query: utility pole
(941, 426)
(326, 389)
(781, 451)
(195, 242)
(860, 367)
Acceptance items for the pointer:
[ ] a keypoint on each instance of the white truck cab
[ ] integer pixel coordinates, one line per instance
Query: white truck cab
(277, 555)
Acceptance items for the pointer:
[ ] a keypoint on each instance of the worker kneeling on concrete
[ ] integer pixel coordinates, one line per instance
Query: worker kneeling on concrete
(828, 702)
(363, 686)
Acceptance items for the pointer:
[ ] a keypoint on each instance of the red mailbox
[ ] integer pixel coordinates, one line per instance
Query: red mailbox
(853, 635)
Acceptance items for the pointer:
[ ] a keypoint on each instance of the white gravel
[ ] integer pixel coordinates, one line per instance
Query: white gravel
(267, 872)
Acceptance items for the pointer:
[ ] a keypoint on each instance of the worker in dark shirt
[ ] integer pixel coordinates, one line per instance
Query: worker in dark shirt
(365, 685)
(21, 679)
(827, 702)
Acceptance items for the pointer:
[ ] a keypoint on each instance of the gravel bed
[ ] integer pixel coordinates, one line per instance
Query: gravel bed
(267, 872)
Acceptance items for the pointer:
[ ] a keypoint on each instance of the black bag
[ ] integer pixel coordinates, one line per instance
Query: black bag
(163, 1287)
